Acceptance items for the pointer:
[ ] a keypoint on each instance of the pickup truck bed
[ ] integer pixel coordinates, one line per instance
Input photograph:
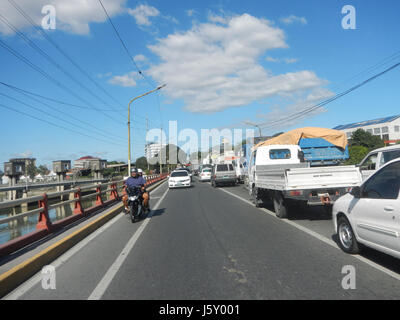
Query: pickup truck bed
(303, 177)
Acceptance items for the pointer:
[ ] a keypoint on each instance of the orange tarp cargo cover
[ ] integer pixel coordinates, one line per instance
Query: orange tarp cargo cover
(336, 137)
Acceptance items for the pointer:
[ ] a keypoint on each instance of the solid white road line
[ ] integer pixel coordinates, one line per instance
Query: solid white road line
(320, 237)
(37, 278)
(112, 271)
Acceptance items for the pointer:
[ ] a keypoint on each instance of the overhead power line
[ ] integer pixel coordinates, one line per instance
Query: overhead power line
(124, 45)
(48, 57)
(325, 102)
(98, 131)
(26, 92)
(56, 125)
(131, 58)
(378, 65)
(50, 78)
(59, 49)
(52, 99)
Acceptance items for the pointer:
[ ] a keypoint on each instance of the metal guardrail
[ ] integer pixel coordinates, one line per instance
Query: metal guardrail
(45, 226)
(77, 198)
(48, 185)
(44, 197)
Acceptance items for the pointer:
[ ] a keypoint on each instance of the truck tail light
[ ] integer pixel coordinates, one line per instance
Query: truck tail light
(296, 193)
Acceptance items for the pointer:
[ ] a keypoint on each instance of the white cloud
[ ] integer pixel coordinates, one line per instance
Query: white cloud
(270, 59)
(286, 60)
(140, 58)
(217, 19)
(126, 80)
(26, 154)
(292, 19)
(190, 12)
(73, 15)
(213, 67)
(290, 115)
(142, 13)
(104, 75)
(291, 60)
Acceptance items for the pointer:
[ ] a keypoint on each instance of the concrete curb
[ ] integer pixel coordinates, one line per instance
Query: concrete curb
(17, 275)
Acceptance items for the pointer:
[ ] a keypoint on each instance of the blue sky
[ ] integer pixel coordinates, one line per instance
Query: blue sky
(224, 62)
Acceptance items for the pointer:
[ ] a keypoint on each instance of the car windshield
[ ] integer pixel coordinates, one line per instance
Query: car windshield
(389, 156)
(206, 170)
(181, 173)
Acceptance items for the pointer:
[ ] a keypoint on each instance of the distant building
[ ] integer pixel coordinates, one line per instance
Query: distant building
(151, 150)
(28, 161)
(84, 162)
(388, 129)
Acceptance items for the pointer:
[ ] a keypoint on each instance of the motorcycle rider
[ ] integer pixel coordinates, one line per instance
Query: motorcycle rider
(146, 196)
(135, 180)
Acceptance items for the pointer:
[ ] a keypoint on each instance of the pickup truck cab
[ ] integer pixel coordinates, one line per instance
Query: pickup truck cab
(279, 173)
(376, 159)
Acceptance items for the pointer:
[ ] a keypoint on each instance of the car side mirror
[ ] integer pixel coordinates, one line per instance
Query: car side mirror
(356, 192)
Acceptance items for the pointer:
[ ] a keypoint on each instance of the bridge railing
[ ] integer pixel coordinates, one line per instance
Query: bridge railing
(44, 224)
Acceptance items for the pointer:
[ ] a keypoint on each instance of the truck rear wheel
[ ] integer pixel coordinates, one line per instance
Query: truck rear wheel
(254, 197)
(280, 207)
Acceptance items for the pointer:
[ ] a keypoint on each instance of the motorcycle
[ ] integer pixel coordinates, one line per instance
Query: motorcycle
(135, 204)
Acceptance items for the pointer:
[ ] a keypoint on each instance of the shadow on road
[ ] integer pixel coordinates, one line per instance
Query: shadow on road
(158, 212)
(380, 258)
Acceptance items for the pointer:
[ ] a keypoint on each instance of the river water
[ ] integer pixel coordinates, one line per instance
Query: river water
(22, 226)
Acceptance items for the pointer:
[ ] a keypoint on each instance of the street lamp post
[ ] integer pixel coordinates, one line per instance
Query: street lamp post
(129, 123)
(254, 125)
(259, 129)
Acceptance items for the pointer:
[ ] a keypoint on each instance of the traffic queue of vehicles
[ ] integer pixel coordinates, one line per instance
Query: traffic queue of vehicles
(302, 167)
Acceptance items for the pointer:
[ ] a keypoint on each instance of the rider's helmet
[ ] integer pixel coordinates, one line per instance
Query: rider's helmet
(140, 171)
(134, 170)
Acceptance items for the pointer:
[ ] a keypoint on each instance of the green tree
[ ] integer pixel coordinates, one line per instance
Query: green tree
(356, 153)
(366, 139)
(31, 170)
(42, 169)
(141, 163)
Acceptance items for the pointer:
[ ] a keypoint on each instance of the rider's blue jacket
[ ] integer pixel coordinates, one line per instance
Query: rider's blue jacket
(135, 182)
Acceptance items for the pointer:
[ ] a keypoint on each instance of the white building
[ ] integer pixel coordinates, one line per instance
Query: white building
(388, 129)
(151, 150)
(84, 162)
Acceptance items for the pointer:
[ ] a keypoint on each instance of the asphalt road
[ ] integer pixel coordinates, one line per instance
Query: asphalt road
(206, 243)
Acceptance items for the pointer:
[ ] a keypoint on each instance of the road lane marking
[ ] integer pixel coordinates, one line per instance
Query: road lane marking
(319, 237)
(36, 279)
(104, 283)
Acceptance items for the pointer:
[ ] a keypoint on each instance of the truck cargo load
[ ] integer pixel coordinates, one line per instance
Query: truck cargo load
(321, 146)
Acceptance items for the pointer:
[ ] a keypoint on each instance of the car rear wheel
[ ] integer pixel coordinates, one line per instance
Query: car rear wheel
(347, 239)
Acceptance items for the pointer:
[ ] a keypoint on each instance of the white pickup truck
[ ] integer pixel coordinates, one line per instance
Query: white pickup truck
(278, 173)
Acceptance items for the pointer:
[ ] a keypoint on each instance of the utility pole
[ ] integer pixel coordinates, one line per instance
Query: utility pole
(129, 124)
(161, 150)
(146, 145)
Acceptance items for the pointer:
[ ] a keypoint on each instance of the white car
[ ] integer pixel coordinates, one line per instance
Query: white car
(179, 178)
(205, 175)
(377, 159)
(370, 214)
